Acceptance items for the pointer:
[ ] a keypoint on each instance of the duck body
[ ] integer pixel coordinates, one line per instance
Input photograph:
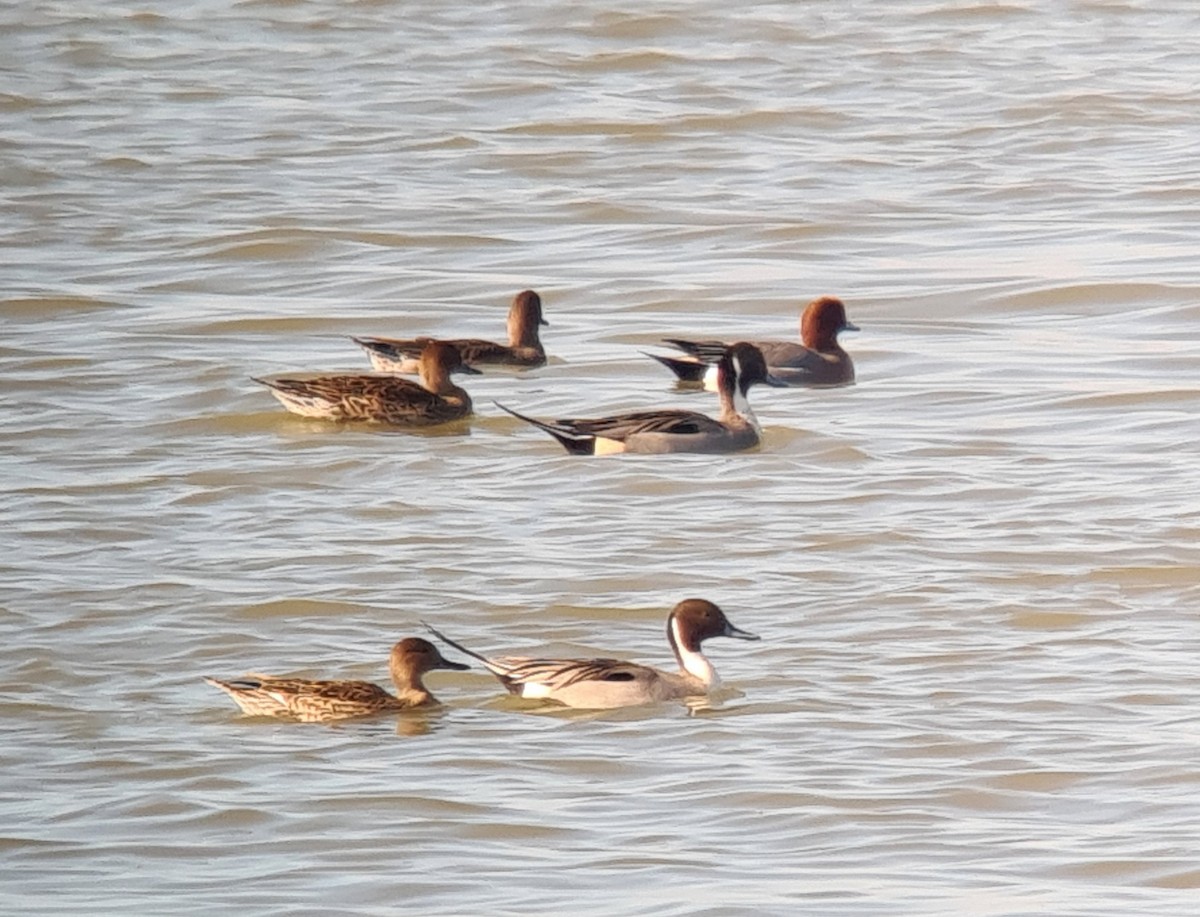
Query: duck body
(524, 348)
(312, 701)
(817, 360)
(382, 397)
(670, 430)
(649, 432)
(605, 683)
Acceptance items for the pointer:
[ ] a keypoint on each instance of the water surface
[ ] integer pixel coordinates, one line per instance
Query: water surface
(975, 572)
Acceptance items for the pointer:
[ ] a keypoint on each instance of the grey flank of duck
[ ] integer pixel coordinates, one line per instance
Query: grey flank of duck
(524, 348)
(382, 398)
(322, 701)
(671, 430)
(606, 683)
(818, 360)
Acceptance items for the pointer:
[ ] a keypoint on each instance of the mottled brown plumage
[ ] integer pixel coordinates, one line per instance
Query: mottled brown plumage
(382, 398)
(322, 701)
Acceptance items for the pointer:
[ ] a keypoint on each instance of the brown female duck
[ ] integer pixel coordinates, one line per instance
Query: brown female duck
(382, 398)
(321, 701)
(524, 348)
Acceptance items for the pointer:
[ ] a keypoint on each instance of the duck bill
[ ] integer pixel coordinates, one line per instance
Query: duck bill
(850, 326)
(739, 634)
(454, 666)
(774, 381)
(468, 370)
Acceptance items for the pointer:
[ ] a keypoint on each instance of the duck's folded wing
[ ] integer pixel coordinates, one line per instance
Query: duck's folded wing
(556, 674)
(351, 692)
(792, 356)
(336, 388)
(474, 350)
(707, 351)
(288, 690)
(626, 425)
(394, 348)
(777, 353)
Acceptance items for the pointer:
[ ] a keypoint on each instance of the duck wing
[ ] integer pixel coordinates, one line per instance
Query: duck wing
(622, 426)
(381, 397)
(705, 351)
(556, 674)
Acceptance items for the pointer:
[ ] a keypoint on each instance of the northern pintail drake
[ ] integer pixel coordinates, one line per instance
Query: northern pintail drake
(672, 430)
(605, 683)
(322, 701)
(817, 360)
(383, 398)
(524, 348)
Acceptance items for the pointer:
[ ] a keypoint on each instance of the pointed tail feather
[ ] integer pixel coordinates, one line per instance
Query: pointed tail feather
(573, 442)
(685, 370)
(368, 346)
(458, 646)
(393, 350)
(493, 667)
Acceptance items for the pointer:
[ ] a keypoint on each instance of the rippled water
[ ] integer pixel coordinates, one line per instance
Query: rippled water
(975, 571)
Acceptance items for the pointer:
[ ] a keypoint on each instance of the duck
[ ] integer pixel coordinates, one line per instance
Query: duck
(818, 360)
(601, 684)
(524, 349)
(323, 701)
(740, 366)
(383, 397)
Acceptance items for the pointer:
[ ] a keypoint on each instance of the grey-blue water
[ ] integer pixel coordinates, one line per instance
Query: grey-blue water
(975, 571)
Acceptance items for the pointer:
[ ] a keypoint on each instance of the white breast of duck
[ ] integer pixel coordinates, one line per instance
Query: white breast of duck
(741, 367)
(690, 623)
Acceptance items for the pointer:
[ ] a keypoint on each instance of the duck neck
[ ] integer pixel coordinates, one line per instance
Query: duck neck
(523, 330)
(691, 660)
(825, 342)
(409, 686)
(734, 403)
(436, 378)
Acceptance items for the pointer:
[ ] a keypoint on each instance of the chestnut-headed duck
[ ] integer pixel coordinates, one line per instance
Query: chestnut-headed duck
(818, 360)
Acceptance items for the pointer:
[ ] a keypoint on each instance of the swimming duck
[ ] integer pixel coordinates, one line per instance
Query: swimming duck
(383, 398)
(672, 430)
(524, 348)
(321, 701)
(817, 360)
(606, 683)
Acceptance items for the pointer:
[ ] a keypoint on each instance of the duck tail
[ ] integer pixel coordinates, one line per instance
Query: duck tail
(493, 667)
(390, 349)
(685, 370)
(574, 442)
(458, 646)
